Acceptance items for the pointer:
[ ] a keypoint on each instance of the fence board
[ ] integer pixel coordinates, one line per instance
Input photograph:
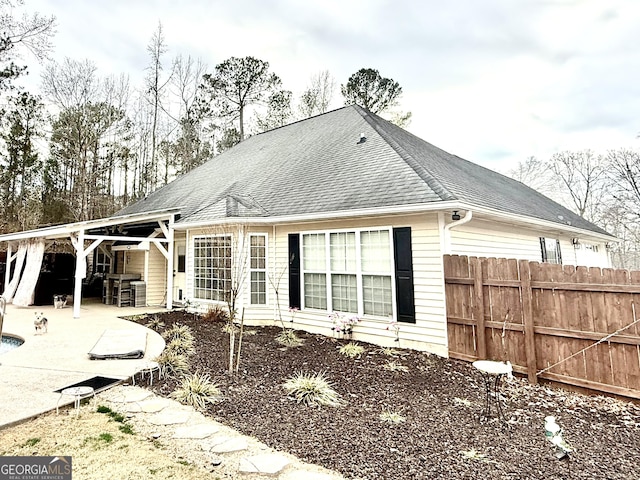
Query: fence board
(537, 315)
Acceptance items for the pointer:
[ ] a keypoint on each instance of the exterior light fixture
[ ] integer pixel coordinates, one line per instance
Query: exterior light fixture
(455, 215)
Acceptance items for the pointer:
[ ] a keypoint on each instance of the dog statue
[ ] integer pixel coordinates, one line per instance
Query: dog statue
(41, 323)
(59, 301)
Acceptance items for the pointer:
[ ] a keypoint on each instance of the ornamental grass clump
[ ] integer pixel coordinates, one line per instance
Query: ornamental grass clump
(155, 323)
(312, 389)
(392, 417)
(182, 346)
(394, 366)
(352, 350)
(289, 338)
(180, 332)
(197, 390)
(172, 364)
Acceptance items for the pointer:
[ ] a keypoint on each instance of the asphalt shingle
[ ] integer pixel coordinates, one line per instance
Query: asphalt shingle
(320, 165)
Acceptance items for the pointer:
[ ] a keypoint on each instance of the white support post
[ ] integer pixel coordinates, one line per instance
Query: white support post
(170, 246)
(7, 273)
(81, 271)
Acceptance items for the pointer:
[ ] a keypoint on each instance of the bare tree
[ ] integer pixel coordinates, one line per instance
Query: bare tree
(155, 86)
(582, 177)
(316, 99)
(32, 32)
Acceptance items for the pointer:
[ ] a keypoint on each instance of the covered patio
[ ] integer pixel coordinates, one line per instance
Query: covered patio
(31, 373)
(25, 251)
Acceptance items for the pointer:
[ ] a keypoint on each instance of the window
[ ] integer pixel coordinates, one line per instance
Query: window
(181, 258)
(550, 250)
(348, 272)
(258, 269)
(212, 267)
(102, 262)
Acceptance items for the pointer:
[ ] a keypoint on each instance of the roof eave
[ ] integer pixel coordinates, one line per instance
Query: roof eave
(63, 231)
(399, 210)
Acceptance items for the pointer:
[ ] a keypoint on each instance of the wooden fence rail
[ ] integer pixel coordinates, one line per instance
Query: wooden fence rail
(548, 320)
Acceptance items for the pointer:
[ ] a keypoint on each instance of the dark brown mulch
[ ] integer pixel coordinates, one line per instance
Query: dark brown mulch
(443, 436)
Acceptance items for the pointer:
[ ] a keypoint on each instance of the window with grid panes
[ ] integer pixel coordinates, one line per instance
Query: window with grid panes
(212, 267)
(258, 269)
(348, 271)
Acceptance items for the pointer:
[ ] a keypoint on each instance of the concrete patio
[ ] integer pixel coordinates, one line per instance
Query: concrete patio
(30, 373)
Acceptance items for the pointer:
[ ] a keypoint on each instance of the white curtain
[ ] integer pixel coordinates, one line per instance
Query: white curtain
(17, 272)
(26, 288)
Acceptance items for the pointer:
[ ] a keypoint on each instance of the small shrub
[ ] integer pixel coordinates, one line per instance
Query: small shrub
(178, 332)
(182, 346)
(312, 389)
(126, 428)
(172, 364)
(394, 366)
(392, 417)
(197, 390)
(216, 314)
(155, 323)
(31, 442)
(289, 338)
(229, 327)
(352, 350)
(103, 409)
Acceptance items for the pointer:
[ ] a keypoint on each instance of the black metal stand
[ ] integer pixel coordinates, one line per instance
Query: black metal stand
(492, 382)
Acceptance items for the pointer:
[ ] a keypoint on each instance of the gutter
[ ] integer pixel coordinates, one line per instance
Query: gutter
(447, 230)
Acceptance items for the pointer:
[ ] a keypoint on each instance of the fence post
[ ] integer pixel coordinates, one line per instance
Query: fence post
(527, 319)
(478, 308)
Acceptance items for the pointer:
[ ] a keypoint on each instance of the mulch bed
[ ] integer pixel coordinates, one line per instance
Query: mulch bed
(441, 399)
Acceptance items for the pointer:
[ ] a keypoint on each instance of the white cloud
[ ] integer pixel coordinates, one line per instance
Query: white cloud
(494, 81)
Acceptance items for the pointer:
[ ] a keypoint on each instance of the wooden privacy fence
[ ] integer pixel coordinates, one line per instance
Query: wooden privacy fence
(574, 325)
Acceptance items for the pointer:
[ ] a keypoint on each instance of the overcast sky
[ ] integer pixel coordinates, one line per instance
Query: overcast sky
(493, 81)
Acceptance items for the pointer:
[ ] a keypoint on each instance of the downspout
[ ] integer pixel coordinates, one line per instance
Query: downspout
(447, 230)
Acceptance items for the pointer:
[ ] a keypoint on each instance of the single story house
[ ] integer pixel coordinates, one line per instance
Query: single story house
(342, 212)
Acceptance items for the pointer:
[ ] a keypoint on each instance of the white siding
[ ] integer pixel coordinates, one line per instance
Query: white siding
(491, 239)
(156, 277)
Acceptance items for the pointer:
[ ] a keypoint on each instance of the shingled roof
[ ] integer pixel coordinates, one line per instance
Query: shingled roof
(321, 165)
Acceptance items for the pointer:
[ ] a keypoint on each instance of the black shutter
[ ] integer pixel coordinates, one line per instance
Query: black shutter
(294, 271)
(543, 249)
(403, 260)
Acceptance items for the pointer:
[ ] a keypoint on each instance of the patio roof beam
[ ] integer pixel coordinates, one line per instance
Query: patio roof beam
(122, 238)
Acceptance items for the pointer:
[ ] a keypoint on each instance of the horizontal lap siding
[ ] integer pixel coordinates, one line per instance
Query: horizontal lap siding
(157, 281)
(484, 239)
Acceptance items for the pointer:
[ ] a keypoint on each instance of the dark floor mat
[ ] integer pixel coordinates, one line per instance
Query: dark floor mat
(97, 383)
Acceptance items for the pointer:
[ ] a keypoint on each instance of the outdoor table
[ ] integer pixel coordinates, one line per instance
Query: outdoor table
(492, 373)
(78, 393)
(147, 367)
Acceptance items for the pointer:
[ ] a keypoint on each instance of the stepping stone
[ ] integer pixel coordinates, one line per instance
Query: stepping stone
(153, 405)
(307, 475)
(130, 395)
(267, 464)
(169, 417)
(202, 430)
(132, 408)
(225, 444)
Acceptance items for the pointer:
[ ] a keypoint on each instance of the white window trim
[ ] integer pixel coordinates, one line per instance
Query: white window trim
(193, 264)
(359, 273)
(265, 269)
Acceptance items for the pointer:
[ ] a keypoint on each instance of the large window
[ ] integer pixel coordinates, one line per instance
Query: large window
(212, 267)
(348, 271)
(258, 268)
(550, 250)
